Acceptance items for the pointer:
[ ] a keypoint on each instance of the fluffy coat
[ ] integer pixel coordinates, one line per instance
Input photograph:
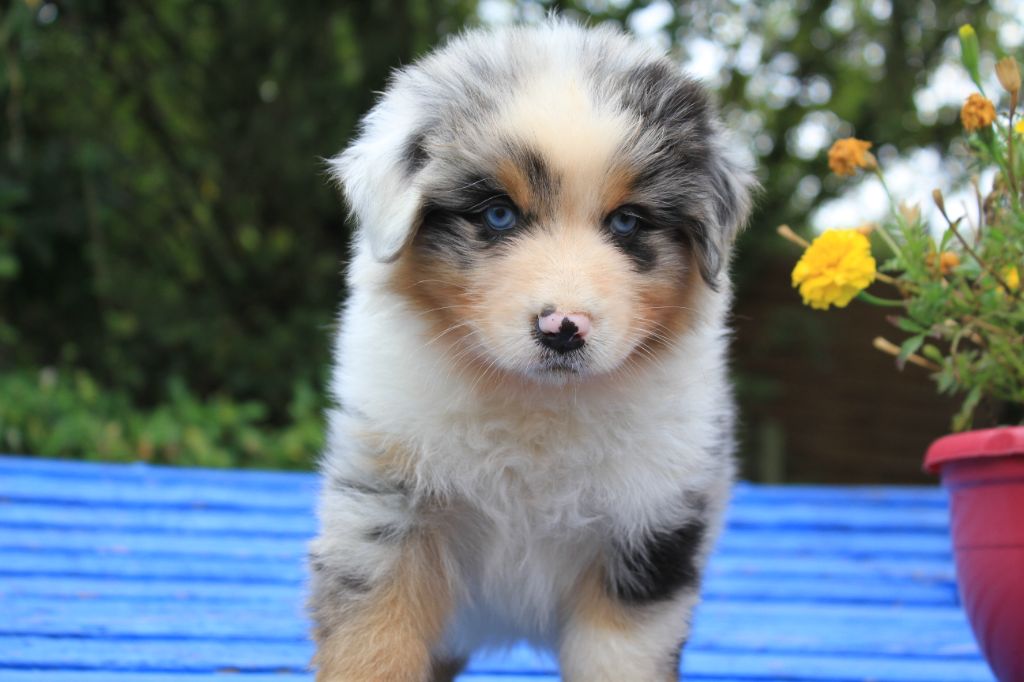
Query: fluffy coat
(482, 485)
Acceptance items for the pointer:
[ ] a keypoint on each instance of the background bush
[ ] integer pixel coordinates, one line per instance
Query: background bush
(70, 415)
(170, 251)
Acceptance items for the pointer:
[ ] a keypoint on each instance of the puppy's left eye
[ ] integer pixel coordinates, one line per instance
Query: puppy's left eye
(500, 216)
(623, 223)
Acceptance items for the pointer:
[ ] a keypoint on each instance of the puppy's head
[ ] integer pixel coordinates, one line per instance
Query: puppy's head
(554, 199)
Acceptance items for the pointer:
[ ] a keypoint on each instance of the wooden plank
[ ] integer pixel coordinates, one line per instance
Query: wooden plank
(210, 657)
(98, 563)
(878, 632)
(913, 615)
(255, 542)
(839, 590)
(154, 486)
(779, 516)
(156, 492)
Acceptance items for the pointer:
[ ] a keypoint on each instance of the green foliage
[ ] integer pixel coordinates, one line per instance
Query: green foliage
(68, 414)
(961, 296)
(971, 314)
(163, 205)
(166, 227)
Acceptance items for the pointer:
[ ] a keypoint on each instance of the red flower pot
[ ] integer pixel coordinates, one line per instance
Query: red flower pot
(984, 474)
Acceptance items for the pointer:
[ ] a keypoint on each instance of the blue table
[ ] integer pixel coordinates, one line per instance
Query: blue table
(130, 572)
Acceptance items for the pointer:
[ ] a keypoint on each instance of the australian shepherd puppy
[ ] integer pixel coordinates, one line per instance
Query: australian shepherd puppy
(533, 437)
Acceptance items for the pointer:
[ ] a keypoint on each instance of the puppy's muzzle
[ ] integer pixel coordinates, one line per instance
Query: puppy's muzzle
(562, 332)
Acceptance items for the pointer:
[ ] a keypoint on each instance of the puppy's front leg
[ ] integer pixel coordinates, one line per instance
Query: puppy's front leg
(380, 593)
(631, 615)
(608, 641)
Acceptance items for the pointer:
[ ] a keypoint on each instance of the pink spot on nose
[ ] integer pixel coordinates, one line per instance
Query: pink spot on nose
(554, 323)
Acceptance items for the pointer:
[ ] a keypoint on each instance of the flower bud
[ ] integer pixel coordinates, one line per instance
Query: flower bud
(939, 200)
(969, 52)
(911, 213)
(1009, 74)
(1009, 77)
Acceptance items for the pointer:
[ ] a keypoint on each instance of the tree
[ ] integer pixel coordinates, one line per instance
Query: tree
(163, 203)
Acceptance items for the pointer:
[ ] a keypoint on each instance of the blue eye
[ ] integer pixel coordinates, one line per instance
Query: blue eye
(500, 217)
(622, 223)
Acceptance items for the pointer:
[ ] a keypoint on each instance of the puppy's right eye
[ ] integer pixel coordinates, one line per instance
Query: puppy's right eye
(500, 216)
(623, 223)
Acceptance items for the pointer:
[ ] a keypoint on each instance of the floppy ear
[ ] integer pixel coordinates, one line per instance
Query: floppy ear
(729, 202)
(378, 173)
(706, 166)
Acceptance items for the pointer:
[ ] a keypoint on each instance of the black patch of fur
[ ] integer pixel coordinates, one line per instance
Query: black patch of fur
(641, 249)
(414, 154)
(385, 533)
(453, 227)
(331, 580)
(467, 194)
(447, 235)
(661, 95)
(353, 583)
(661, 567)
(542, 180)
(675, 660)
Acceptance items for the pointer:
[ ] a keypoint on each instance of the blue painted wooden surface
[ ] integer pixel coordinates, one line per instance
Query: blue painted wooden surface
(118, 573)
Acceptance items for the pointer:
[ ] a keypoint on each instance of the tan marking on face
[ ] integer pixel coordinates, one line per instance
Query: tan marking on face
(517, 184)
(668, 305)
(445, 297)
(438, 291)
(555, 115)
(618, 183)
(388, 635)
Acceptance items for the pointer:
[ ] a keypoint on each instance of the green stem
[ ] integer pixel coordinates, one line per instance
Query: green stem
(989, 143)
(875, 300)
(888, 238)
(1011, 176)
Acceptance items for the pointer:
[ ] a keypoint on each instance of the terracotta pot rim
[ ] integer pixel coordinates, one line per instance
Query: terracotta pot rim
(1004, 441)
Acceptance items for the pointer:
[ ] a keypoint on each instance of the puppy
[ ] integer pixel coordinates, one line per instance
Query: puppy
(533, 437)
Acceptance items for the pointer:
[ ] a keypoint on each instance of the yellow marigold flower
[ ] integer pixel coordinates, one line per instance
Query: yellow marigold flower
(978, 112)
(835, 267)
(1012, 278)
(1019, 127)
(849, 154)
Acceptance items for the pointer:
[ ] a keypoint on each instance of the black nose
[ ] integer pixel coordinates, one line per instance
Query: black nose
(565, 340)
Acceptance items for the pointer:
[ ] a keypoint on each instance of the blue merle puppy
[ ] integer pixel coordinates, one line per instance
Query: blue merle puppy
(533, 437)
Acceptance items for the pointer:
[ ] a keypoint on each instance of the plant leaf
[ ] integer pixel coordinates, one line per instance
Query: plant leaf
(909, 347)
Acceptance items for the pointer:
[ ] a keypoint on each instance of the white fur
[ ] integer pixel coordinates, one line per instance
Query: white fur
(537, 474)
(548, 470)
